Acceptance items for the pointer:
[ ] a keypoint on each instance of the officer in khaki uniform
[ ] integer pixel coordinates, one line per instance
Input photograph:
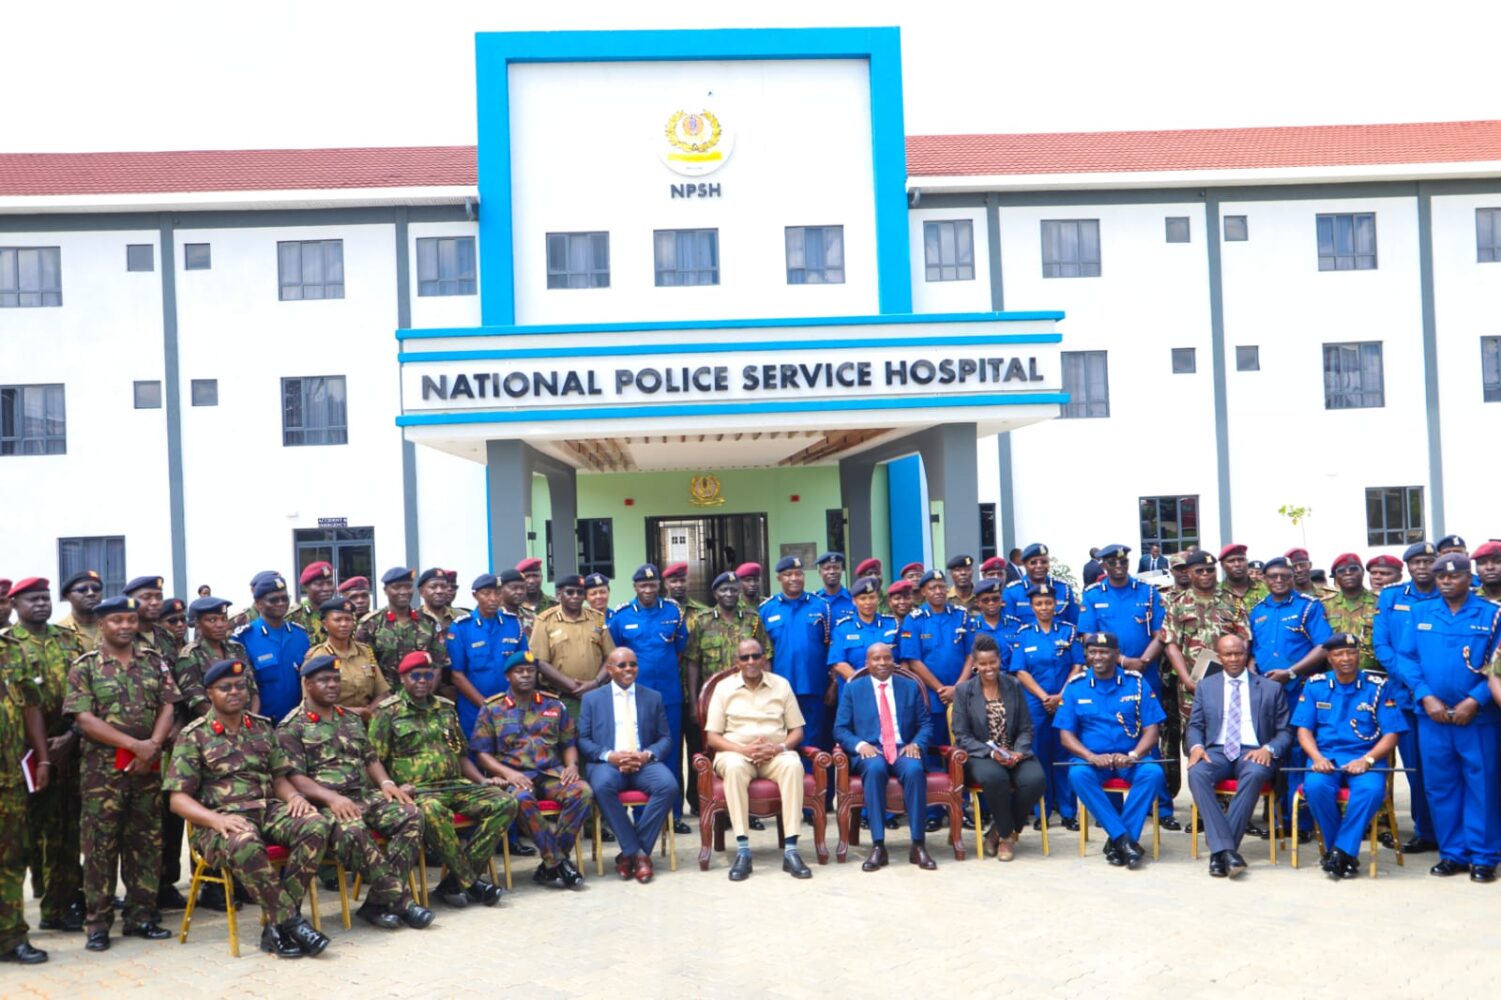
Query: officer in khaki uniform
(83, 591)
(571, 642)
(361, 683)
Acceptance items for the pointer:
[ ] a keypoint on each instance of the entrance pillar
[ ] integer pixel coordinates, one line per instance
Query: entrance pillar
(948, 455)
(509, 468)
(855, 475)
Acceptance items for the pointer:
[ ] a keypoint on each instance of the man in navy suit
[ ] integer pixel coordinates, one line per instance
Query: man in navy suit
(876, 715)
(1152, 561)
(1242, 739)
(623, 735)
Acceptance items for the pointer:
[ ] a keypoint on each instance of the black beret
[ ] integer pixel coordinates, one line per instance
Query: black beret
(511, 576)
(317, 664)
(1106, 640)
(788, 562)
(173, 606)
(116, 605)
(77, 578)
(1419, 549)
(398, 574)
(644, 573)
(569, 581)
(222, 668)
(961, 562)
(1341, 640)
(1199, 558)
(1276, 562)
(434, 573)
(142, 583)
(334, 605)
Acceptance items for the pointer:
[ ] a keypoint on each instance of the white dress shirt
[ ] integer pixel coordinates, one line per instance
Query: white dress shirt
(896, 724)
(1247, 721)
(626, 719)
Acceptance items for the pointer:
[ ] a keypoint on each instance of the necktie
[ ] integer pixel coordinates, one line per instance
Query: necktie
(632, 743)
(1232, 720)
(888, 727)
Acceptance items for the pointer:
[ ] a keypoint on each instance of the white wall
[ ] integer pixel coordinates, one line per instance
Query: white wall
(949, 296)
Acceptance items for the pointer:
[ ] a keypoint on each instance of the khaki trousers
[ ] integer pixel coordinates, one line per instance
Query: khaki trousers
(736, 770)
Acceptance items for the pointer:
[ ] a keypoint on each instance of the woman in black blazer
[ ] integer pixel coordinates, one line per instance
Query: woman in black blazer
(991, 723)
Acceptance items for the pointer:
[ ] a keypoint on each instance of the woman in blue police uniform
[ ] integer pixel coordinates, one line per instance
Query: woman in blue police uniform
(1346, 725)
(1044, 653)
(989, 619)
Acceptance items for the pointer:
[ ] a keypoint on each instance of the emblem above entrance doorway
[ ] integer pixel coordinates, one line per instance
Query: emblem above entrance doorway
(704, 491)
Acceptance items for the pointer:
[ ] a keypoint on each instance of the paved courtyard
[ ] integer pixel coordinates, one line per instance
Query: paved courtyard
(1062, 925)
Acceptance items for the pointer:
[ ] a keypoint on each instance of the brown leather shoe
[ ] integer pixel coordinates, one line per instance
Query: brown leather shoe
(1005, 850)
(624, 866)
(644, 871)
(876, 859)
(919, 857)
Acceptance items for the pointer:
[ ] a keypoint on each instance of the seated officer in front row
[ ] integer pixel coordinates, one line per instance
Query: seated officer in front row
(1347, 724)
(1108, 720)
(229, 778)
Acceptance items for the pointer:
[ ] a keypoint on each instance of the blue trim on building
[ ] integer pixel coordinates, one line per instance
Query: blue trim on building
(721, 347)
(621, 412)
(909, 529)
(494, 52)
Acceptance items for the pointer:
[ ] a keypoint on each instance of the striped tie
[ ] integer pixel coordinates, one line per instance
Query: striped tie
(1232, 721)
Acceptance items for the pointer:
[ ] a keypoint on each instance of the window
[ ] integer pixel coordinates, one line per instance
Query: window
(351, 551)
(205, 392)
(1177, 229)
(313, 411)
(32, 420)
(1071, 248)
(578, 260)
(140, 257)
(196, 257)
(1347, 242)
(1394, 515)
(1488, 235)
(148, 395)
(30, 276)
(987, 532)
(1490, 368)
(687, 256)
(1248, 359)
(949, 250)
(1172, 522)
(1236, 229)
(104, 555)
(1185, 361)
(1352, 376)
(596, 546)
(815, 255)
(310, 269)
(445, 265)
(1087, 382)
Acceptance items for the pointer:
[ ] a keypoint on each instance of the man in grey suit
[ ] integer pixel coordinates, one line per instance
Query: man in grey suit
(1238, 729)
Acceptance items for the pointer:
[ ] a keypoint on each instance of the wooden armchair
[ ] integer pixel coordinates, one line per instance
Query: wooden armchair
(765, 797)
(945, 790)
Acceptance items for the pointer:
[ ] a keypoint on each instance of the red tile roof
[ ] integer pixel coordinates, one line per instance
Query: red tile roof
(1203, 149)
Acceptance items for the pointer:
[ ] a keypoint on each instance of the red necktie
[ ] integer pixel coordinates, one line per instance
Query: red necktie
(888, 727)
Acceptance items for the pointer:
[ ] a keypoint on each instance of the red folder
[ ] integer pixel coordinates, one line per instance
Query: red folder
(124, 757)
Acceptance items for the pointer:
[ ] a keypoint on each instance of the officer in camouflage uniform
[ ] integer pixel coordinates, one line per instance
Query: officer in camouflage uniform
(317, 580)
(749, 575)
(357, 590)
(147, 591)
(535, 600)
(122, 696)
(398, 628)
(1487, 560)
(417, 736)
(46, 652)
(21, 728)
(83, 591)
(334, 767)
(1303, 581)
(210, 615)
(1352, 608)
(1191, 622)
(675, 588)
(529, 740)
(1238, 582)
(230, 779)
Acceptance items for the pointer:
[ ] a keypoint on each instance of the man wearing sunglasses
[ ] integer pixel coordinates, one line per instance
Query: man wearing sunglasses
(83, 591)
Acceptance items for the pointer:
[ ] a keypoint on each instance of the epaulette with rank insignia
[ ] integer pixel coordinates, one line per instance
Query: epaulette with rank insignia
(1128, 673)
(290, 716)
(462, 618)
(373, 613)
(844, 618)
(1375, 679)
(290, 622)
(389, 700)
(263, 718)
(766, 600)
(1319, 677)
(442, 700)
(496, 697)
(1080, 677)
(195, 724)
(621, 606)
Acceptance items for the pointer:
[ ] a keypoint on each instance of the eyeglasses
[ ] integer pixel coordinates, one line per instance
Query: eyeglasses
(91, 588)
(422, 675)
(748, 657)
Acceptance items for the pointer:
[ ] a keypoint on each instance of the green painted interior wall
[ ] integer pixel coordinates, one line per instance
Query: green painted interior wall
(880, 519)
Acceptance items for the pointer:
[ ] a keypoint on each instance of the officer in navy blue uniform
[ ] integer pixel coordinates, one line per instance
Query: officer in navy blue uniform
(988, 618)
(798, 626)
(594, 583)
(1044, 653)
(1346, 726)
(851, 635)
(480, 643)
(1037, 563)
(1109, 721)
(276, 648)
(1447, 646)
(935, 641)
(655, 631)
(840, 600)
(1131, 610)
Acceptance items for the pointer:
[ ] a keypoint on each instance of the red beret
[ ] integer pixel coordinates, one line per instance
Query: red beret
(1491, 550)
(1343, 559)
(1296, 555)
(528, 565)
(910, 567)
(413, 660)
(994, 562)
(748, 569)
(900, 587)
(674, 569)
(1233, 549)
(316, 571)
(1389, 562)
(28, 585)
(354, 583)
(869, 567)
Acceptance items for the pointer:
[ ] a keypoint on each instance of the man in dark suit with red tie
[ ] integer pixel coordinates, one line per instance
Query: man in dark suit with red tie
(884, 724)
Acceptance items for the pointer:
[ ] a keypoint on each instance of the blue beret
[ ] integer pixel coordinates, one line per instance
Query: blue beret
(1034, 550)
(1452, 562)
(569, 581)
(829, 557)
(596, 580)
(222, 668)
(866, 585)
(930, 576)
(210, 605)
(484, 582)
(398, 574)
(1040, 588)
(333, 606)
(988, 585)
(431, 574)
(646, 572)
(724, 578)
(517, 659)
(961, 562)
(1341, 640)
(317, 664)
(265, 574)
(1199, 558)
(143, 583)
(115, 606)
(1276, 562)
(1105, 639)
(1451, 542)
(788, 562)
(173, 606)
(1113, 549)
(1419, 549)
(275, 585)
(511, 576)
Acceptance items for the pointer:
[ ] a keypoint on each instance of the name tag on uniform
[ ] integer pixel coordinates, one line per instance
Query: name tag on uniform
(476, 645)
(631, 626)
(773, 618)
(1425, 626)
(1400, 607)
(852, 638)
(1322, 704)
(1258, 621)
(1106, 605)
(924, 635)
(265, 656)
(1025, 649)
(1085, 701)
(550, 713)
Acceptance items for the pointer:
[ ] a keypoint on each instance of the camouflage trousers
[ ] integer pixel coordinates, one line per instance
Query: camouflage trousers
(53, 816)
(1175, 705)
(554, 837)
(355, 847)
(13, 835)
(244, 854)
(490, 809)
(121, 823)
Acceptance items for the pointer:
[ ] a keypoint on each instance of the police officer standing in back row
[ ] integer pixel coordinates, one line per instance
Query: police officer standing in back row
(798, 625)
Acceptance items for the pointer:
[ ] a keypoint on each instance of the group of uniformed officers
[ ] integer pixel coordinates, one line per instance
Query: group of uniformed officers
(331, 730)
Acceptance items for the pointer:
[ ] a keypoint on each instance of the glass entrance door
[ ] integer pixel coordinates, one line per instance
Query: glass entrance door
(351, 551)
(710, 545)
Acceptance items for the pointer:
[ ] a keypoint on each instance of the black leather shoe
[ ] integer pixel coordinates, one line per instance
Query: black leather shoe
(934, 824)
(680, 828)
(792, 864)
(607, 835)
(450, 892)
(572, 877)
(168, 898)
(741, 869)
(1385, 839)
(1037, 824)
(1482, 873)
(211, 897)
(1236, 863)
(25, 954)
(1115, 851)
(1335, 866)
(484, 892)
(1071, 824)
(1219, 865)
(756, 824)
(893, 822)
(415, 916)
(378, 916)
(1324, 860)
(1419, 845)
(522, 849)
(278, 944)
(1259, 832)
(1349, 867)
(73, 917)
(1445, 868)
(876, 859)
(150, 931)
(301, 933)
(1169, 823)
(331, 883)
(1134, 855)
(98, 940)
(550, 876)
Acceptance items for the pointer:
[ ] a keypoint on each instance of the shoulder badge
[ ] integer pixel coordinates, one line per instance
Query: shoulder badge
(195, 724)
(1079, 677)
(296, 626)
(294, 713)
(463, 617)
(368, 615)
(1319, 677)
(1375, 679)
(261, 718)
(1128, 673)
(495, 698)
(389, 700)
(442, 700)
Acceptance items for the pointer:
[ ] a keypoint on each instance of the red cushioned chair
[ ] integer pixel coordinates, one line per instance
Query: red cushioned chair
(1388, 812)
(460, 822)
(548, 808)
(1226, 790)
(765, 798)
(634, 800)
(1117, 786)
(974, 793)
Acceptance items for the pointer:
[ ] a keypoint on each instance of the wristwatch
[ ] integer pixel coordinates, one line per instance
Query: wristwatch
(1133, 756)
(1370, 761)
